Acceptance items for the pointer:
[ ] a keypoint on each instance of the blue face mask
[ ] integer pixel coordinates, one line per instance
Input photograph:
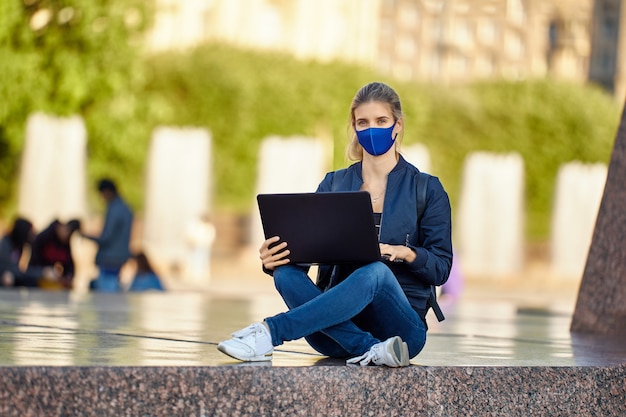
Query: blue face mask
(376, 140)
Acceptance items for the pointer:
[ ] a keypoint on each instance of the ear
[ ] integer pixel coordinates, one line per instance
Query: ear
(399, 126)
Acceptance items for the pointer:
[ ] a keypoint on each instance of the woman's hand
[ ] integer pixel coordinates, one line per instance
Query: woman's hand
(273, 256)
(397, 253)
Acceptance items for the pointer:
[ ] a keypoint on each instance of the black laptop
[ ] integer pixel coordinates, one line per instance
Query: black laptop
(322, 228)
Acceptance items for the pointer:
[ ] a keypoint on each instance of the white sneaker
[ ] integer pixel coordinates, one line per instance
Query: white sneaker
(393, 352)
(251, 344)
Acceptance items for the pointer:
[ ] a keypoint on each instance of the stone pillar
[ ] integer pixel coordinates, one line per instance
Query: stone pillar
(286, 165)
(491, 217)
(52, 178)
(601, 304)
(418, 155)
(178, 201)
(577, 199)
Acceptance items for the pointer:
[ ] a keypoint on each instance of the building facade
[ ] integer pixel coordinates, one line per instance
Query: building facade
(442, 41)
(607, 65)
(463, 40)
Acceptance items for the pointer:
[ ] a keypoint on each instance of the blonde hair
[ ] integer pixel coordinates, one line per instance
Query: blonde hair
(375, 91)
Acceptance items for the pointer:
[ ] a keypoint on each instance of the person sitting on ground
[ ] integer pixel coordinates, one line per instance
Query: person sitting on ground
(373, 313)
(12, 246)
(145, 278)
(51, 247)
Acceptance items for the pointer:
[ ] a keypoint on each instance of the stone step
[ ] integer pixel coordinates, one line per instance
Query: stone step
(312, 391)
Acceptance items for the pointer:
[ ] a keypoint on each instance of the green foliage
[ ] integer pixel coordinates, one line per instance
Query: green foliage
(88, 62)
(243, 97)
(548, 123)
(64, 57)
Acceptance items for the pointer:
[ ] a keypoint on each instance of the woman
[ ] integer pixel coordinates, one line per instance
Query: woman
(51, 248)
(12, 246)
(375, 313)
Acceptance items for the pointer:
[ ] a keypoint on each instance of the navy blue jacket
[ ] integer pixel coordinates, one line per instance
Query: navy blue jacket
(400, 226)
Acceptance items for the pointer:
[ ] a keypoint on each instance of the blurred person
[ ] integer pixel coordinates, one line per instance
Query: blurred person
(12, 247)
(200, 235)
(145, 278)
(51, 247)
(114, 240)
(374, 314)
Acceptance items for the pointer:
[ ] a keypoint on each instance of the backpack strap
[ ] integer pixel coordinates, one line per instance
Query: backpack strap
(422, 185)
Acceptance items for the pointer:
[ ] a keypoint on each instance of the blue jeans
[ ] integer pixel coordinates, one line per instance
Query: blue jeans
(366, 308)
(108, 280)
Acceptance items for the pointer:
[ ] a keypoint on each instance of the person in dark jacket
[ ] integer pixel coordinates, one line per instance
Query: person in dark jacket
(12, 246)
(51, 247)
(114, 240)
(376, 313)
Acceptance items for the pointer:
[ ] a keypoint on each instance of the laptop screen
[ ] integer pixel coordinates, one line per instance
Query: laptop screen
(322, 228)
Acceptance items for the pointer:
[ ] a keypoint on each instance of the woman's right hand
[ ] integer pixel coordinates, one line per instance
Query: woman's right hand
(273, 256)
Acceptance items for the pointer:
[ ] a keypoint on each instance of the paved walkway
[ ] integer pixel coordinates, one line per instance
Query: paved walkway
(491, 324)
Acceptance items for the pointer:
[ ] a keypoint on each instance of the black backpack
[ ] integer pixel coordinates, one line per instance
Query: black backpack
(422, 185)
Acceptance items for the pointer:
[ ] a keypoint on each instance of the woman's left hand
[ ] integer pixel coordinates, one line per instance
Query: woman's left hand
(397, 253)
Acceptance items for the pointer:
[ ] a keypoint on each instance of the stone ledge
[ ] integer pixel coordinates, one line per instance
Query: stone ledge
(316, 390)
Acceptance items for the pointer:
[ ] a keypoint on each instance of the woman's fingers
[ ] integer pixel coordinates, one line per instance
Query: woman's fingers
(267, 243)
(273, 254)
(391, 251)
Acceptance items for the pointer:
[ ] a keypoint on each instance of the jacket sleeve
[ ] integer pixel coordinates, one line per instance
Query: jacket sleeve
(434, 256)
(327, 183)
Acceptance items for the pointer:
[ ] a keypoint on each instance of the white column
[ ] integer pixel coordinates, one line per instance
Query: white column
(578, 193)
(286, 165)
(52, 178)
(418, 155)
(178, 198)
(490, 216)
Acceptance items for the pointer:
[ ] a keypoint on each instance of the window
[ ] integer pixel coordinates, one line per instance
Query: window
(408, 16)
(463, 33)
(609, 27)
(406, 47)
(513, 45)
(488, 32)
(515, 11)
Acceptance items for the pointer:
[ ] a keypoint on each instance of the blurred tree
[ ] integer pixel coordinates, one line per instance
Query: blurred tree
(85, 57)
(243, 97)
(222, 88)
(61, 57)
(548, 122)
